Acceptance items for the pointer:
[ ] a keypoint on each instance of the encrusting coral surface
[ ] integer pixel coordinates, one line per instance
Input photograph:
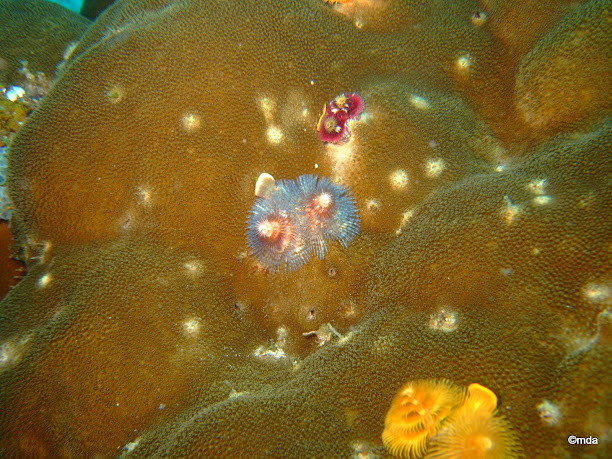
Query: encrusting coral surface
(478, 251)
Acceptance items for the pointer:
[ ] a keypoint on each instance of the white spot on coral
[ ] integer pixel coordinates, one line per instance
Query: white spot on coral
(272, 351)
(479, 18)
(550, 414)
(192, 326)
(406, 216)
(268, 108)
(346, 338)
(399, 180)
(45, 280)
(349, 308)
(235, 394)
(6, 354)
(577, 341)
(129, 447)
(463, 63)
(365, 118)
(597, 293)
(144, 195)
(372, 206)
(275, 135)
(191, 121)
(46, 251)
(127, 221)
(537, 187)
(434, 167)
(114, 94)
(194, 267)
(542, 200)
(281, 336)
(364, 450)
(356, 9)
(11, 351)
(14, 92)
(324, 333)
(419, 102)
(510, 210)
(443, 320)
(69, 50)
(275, 349)
(342, 158)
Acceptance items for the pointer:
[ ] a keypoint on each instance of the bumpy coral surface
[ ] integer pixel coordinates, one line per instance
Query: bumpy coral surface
(12, 270)
(33, 45)
(36, 32)
(480, 169)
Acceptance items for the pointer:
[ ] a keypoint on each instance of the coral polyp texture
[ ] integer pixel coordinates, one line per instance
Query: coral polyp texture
(36, 32)
(459, 240)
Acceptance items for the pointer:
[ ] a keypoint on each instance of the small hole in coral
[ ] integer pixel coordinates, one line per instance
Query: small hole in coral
(331, 272)
(479, 18)
(114, 95)
(311, 314)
